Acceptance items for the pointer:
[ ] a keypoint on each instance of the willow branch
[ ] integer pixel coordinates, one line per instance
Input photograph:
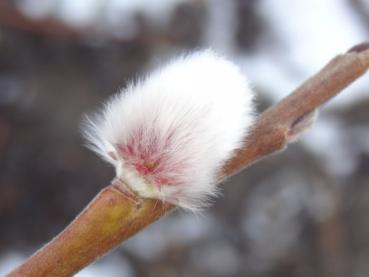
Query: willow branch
(115, 215)
(276, 126)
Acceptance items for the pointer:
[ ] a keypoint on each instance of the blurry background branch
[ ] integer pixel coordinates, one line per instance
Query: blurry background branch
(10, 16)
(103, 21)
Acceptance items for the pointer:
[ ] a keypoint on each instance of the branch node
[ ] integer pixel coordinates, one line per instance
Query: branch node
(301, 125)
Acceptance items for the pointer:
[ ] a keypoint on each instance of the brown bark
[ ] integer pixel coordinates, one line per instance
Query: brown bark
(110, 218)
(276, 126)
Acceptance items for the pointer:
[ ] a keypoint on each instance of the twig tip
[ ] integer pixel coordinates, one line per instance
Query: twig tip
(359, 47)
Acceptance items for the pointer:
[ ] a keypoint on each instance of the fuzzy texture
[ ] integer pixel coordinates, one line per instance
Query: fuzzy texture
(169, 134)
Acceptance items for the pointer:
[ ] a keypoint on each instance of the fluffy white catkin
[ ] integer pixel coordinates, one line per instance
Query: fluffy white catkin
(169, 134)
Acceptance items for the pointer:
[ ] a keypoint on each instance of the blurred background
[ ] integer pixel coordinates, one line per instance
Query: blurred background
(303, 212)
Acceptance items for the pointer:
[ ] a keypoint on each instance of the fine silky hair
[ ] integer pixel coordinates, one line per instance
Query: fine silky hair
(169, 134)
